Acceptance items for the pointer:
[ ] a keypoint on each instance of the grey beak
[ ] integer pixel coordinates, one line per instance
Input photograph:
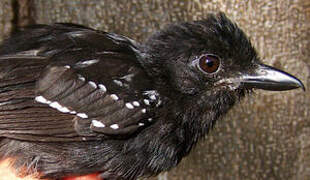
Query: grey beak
(269, 78)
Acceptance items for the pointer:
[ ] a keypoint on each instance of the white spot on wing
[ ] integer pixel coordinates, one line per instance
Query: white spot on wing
(136, 103)
(97, 123)
(102, 87)
(67, 66)
(143, 110)
(63, 109)
(129, 105)
(141, 124)
(114, 126)
(92, 84)
(82, 115)
(41, 99)
(153, 97)
(80, 77)
(117, 82)
(55, 105)
(151, 92)
(146, 101)
(114, 97)
(150, 119)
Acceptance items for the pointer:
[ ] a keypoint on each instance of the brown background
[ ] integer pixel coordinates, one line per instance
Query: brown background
(266, 136)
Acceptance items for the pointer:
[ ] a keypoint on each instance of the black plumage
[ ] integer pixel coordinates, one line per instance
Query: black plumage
(74, 100)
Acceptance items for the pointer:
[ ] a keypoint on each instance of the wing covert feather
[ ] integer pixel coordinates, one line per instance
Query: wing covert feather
(72, 83)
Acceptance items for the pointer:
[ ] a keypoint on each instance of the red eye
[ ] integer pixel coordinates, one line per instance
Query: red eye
(209, 63)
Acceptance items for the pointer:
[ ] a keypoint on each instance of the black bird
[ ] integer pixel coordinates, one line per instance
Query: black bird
(74, 100)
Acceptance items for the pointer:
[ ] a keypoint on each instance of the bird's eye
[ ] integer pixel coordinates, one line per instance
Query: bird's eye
(209, 63)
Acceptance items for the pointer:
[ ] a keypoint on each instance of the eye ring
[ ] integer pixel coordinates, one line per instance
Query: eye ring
(208, 63)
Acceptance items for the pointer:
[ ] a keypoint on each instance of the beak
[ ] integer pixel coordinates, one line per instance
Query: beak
(269, 78)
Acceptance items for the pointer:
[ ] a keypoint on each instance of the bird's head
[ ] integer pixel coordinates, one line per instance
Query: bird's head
(212, 55)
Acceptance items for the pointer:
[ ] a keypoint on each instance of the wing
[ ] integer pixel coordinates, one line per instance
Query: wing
(71, 83)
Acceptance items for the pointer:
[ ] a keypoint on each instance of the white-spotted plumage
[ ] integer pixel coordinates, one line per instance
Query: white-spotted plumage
(64, 109)
(102, 87)
(152, 97)
(129, 106)
(82, 115)
(80, 77)
(67, 66)
(117, 82)
(42, 99)
(136, 103)
(151, 92)
(114, 97)
(97, 123)
(55, 105)
(114, 126)
(146, 102)
(92, 84)
(72, 112)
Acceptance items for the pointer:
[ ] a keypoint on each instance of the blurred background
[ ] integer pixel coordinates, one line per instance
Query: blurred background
(267, 135)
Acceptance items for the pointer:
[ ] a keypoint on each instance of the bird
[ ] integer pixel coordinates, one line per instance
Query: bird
(76, 101)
